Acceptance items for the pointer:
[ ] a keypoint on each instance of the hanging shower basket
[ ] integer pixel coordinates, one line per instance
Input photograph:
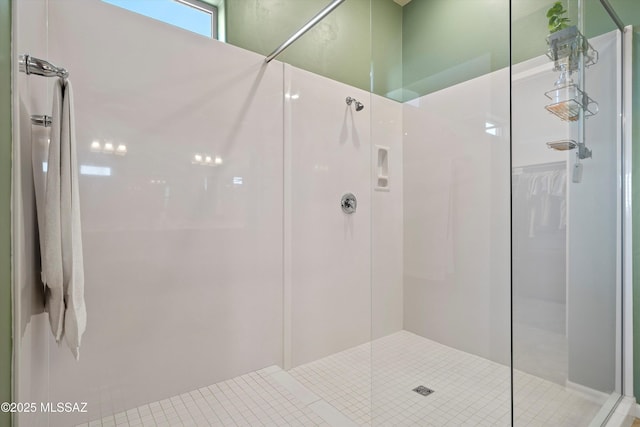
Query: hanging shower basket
(568, 101)
(562, 145)
(565, 47)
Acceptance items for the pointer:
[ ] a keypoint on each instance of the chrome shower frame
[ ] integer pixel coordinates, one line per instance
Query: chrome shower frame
(306, 27)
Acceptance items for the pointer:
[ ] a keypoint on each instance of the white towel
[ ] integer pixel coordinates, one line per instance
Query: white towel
(52, 275)
(62, 262)
(75, 316)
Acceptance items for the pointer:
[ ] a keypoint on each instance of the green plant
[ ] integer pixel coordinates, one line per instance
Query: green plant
(557, 21)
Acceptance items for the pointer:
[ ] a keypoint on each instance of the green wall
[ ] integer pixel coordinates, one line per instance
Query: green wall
(409, 51)
(5, 210)
(529, 27)
(386, 53)
(445, 42)
(339, 47)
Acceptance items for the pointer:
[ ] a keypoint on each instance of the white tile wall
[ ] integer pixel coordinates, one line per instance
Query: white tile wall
(456, 216)
(593, 223)
(387, 221)
(331, 263)
(334, 297)
(147, 298)
(565, 292)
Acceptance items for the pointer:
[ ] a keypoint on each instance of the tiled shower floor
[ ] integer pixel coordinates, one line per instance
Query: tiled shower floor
(339, 390)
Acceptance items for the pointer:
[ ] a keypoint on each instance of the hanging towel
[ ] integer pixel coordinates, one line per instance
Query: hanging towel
(75, 316)
(61, 247)
(52, 274)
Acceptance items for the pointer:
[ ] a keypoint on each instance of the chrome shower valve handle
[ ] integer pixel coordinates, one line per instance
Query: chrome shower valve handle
(349, 203)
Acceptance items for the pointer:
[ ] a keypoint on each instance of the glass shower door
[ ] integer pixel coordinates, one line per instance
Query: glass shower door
(566, 201)
(327, 211)
(446, 360)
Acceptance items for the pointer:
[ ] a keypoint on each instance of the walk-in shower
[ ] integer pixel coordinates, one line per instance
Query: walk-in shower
(406, 218)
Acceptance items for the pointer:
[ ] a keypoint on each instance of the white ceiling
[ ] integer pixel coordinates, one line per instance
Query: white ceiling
(402, 2)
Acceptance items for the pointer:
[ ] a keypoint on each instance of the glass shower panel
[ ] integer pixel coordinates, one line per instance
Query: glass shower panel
(217, 223)
(31, 97)
(327, 217)
(441, 351)
(183, 230)
(565, 215)
(216, 248)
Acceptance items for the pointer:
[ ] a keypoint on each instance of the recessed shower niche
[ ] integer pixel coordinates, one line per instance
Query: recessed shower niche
(382, 168)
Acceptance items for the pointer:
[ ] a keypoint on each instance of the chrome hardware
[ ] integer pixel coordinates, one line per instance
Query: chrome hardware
(349, 203)
(30, 65)
(583, 151)
(359, 105)
(613, 14)
(425, 391)
(41, 120)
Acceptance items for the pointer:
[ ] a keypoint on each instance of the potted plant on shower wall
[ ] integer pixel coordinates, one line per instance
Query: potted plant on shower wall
(564, 40)
(557, 19)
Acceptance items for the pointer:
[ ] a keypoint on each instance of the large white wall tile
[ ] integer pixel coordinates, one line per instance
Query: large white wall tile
(456, 216)
(565, 271)
(539, 294)
(387, 221)
(331, 261)
(593, 222)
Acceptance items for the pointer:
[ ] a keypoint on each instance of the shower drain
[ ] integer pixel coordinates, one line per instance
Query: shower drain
(425, 391)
